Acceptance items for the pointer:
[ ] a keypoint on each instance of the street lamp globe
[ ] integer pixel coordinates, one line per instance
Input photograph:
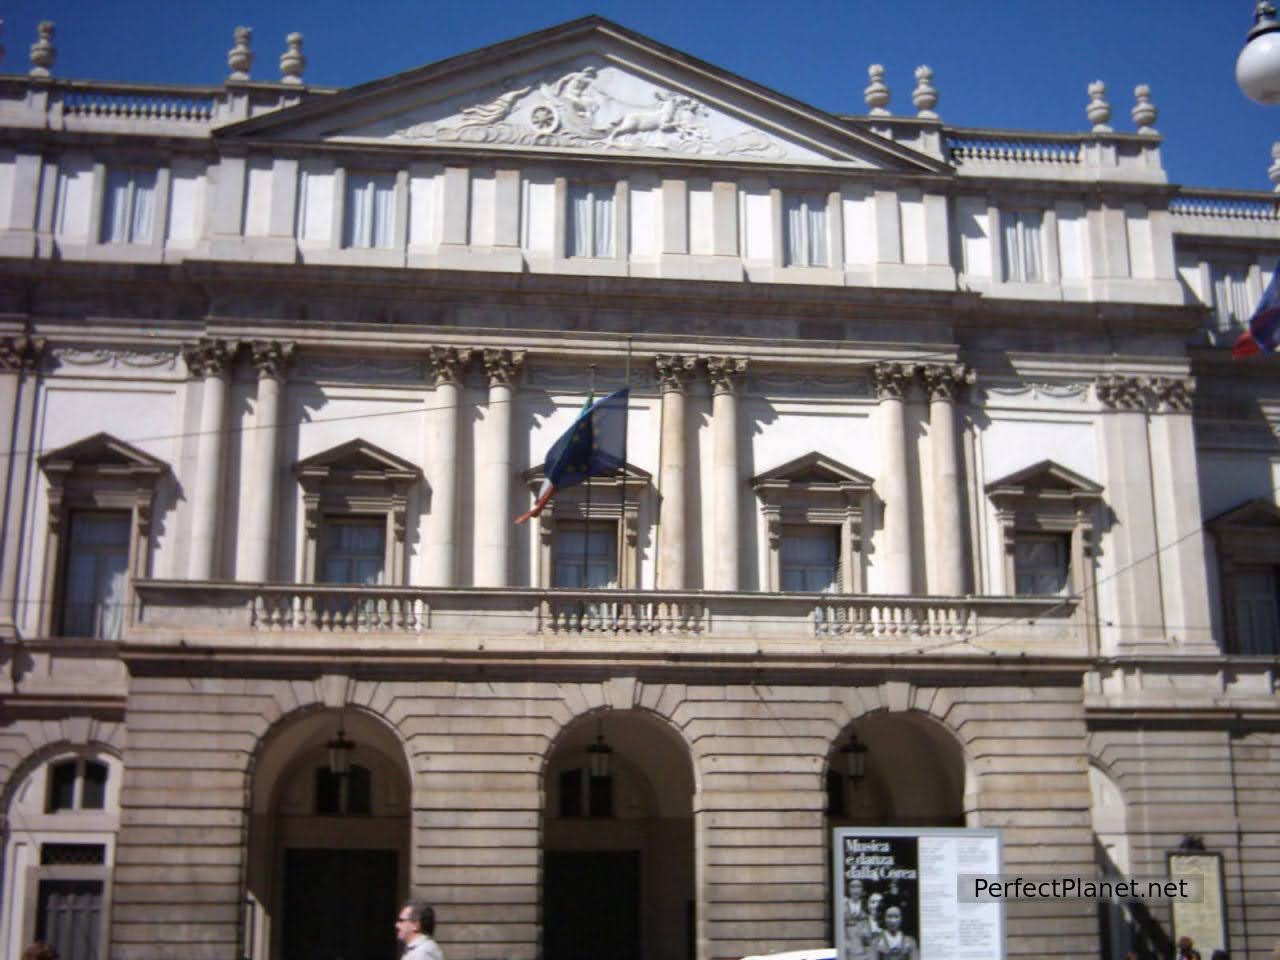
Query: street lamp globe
(1258, 66)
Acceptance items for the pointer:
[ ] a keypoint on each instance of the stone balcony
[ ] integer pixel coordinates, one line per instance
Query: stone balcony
(467, 619)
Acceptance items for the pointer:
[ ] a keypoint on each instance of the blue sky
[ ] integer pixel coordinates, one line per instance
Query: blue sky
(1001, 63)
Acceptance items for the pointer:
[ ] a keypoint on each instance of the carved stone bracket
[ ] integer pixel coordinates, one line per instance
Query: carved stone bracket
(272, 358)
(1146, 393)
(893, 380)
(503, 366)
(21, 354)
(448, 364)
(209, 358)
(674, 371)
(726, 373)
(945, 381)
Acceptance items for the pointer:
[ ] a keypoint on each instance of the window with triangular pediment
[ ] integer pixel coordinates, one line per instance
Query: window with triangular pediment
(1248, 542)
(355, 503)
(813, 509)
(101, 496)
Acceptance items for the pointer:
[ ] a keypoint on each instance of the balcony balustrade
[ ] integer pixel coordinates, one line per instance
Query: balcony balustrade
(247, 614)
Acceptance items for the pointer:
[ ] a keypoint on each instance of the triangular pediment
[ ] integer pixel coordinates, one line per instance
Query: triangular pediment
(355, 458)
(591, 87)
(813, 469)
(1257, 515)
(634, 476)
(1045, 478)
(103, 452)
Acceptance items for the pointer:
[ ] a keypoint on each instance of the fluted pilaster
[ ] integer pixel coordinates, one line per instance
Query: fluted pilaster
(674, 373)
(893, 383)
(446, 368)
(944, 519)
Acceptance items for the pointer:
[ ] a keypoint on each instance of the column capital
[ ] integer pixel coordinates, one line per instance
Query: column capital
(674, 371)
(945, 381)
(1172, 394)
(726, 373)
(272, 358)
(1146, 394)
(448, 364)
(503, 366)
(21, 354)
(893, 380)
(208, 357)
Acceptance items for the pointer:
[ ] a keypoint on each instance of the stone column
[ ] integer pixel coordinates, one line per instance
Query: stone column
(726, 375)
(673, 375)
(944, 509)
(271, 359)
(20, 359)
(211, 360)
(893, 381)
(1176, 487)
(494, 519)
(1132, 584)
(447, 367)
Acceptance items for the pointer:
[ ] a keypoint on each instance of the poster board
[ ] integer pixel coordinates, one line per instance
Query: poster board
(1205, 920)
(915, 870)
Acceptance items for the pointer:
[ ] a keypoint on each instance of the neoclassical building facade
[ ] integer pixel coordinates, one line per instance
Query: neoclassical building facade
(934, 448)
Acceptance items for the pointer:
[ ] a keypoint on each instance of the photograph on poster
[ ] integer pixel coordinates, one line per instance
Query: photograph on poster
(895, 894)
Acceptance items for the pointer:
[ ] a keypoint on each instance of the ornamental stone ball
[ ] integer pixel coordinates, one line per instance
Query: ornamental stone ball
(1098, 111)
(877, 92)
(925, 95)
(1144, 111)
(240, 57)
(43, 52)
(292, 61)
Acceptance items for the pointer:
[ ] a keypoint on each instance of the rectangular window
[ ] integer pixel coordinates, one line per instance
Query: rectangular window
(1232, 301)
(97, 569)
(347, 794)
(1023, 246)
(128, 206)
(589, 224)
(1040, 565)
(369, 215)
(354, 551)
(586, 556)
(810, 559)
(805, 231)
(1257, 598)
(69, 916)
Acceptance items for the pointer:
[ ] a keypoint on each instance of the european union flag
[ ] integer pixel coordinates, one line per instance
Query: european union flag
(595, 444)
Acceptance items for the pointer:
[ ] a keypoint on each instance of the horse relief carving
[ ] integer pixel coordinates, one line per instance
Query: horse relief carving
(578, 110)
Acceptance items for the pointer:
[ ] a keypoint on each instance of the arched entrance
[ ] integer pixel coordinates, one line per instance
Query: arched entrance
(618, 869)
(328, 851)
(914, 774)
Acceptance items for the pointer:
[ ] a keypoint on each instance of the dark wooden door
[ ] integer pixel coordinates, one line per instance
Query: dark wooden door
(591, 905)
(339, 905)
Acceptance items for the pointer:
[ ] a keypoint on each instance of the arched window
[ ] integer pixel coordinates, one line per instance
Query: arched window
(76, 784)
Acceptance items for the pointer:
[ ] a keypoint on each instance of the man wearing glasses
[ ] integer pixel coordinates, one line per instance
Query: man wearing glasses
(415, 923)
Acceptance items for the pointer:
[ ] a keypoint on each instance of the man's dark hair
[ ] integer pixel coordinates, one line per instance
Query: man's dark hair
(422, 913)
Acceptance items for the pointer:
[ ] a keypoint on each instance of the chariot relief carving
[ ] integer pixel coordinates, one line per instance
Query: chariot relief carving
(589, 108)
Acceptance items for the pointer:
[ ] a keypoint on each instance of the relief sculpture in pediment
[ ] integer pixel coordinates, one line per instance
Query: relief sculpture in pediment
(582, 109)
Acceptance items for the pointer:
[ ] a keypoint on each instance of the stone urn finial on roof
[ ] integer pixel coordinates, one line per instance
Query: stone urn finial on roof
(292, 61)
(1144, 111)
(43, 52)
(877, 92)
(1098, 111)
(925, 95)
(240, 57)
